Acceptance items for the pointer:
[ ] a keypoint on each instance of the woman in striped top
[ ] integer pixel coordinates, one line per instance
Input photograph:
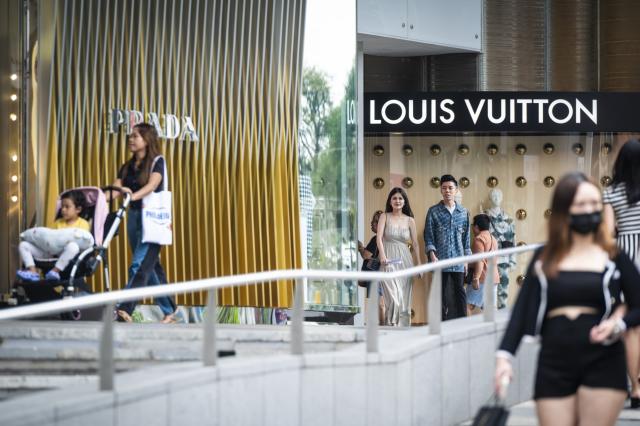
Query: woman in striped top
(622, 215)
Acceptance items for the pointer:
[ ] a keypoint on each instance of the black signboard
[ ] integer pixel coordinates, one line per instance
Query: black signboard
(531, 112)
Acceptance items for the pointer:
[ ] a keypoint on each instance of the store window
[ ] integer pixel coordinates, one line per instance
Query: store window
(327, 150)
(520, 170)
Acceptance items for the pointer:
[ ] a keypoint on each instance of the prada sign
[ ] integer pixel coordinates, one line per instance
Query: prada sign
(170, 127)
(537, 112)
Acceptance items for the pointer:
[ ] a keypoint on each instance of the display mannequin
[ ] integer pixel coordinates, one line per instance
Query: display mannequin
(503, 229)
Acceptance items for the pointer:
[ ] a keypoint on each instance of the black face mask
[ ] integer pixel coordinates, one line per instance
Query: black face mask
(585, 223)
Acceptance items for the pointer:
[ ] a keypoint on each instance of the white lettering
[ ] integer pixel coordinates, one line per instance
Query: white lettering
(540, 103)
(423, 115)
(135, 117)
(503, 111)
(152, 118)
(552, 115)
(372, 113)
(593, 114)
(188, 130)
(524, 103)
(403, 111)
(447, 110)
(474, 114)
(171, 126)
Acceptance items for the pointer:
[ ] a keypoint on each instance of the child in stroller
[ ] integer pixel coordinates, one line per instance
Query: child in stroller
(72, 205)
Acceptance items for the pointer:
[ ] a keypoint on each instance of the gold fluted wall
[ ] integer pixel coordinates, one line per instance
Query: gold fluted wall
(233, 66)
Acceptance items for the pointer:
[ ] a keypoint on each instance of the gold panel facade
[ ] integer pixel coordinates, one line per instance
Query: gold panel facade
(234, 68)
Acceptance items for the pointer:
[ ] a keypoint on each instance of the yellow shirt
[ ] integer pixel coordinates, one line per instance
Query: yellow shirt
(79, 223)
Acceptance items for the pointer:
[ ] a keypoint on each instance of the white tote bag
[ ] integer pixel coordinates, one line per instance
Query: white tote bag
(156, 213)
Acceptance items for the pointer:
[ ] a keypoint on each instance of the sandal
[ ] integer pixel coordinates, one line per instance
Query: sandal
(123, 316)
(168, 319)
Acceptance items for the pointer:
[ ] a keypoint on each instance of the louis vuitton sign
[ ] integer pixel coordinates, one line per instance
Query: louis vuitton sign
(543, 112)
(168, 126)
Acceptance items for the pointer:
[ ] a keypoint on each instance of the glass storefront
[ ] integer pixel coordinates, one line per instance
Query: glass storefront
(327, 151)
(524, 168)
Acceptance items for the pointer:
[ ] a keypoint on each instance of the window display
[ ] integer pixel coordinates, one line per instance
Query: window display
(508, 176)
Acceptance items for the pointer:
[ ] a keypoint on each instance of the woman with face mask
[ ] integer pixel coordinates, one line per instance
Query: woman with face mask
(572, 298)
(622, 213)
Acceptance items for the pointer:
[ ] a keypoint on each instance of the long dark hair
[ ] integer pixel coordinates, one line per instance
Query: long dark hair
(406, 209)
(150, 136)
(559, 234)
(626, 170)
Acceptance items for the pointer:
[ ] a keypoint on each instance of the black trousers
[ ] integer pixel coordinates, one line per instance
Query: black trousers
(454, 298)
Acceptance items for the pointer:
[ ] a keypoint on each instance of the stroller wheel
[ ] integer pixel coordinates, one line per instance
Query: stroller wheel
(75, 315)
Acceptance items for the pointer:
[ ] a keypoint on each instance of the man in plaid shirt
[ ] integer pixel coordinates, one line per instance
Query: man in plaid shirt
(447, 235)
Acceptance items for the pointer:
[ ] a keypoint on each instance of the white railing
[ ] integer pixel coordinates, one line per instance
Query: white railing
(433, 302)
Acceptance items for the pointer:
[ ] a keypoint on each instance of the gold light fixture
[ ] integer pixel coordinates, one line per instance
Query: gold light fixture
(464, 182)
(14, 198)
(549, 181)
(435, 182)
(13, 117)
(407, 150)
(13, 97)
(521, 182)
(492, 149)
(606, 148)
(378, 150)
(521, 149)
(577, 148)
(463, 149)
(13, 77)
(548, 148)
(14, 178)
(492, 181)
(521, 214)
(520, 279)
(14, 158)
(435, 149)
(547, 213)
(378, 183)
(407, 182)
(605, 180)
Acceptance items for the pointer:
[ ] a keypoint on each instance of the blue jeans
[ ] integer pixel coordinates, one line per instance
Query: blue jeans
(153, 275)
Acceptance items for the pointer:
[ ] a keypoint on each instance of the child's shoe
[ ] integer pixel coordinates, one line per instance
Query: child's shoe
(27, 275)
(52, 276)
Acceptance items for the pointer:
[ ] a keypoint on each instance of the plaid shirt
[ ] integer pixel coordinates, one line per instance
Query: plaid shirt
(448, 234)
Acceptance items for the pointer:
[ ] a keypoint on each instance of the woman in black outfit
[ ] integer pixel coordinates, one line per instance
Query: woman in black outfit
(622, 216)
(571, 297)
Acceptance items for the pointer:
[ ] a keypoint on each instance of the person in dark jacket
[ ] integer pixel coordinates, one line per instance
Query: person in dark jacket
(571, 298)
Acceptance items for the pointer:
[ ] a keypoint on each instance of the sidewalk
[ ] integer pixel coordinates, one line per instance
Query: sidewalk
(525, 415)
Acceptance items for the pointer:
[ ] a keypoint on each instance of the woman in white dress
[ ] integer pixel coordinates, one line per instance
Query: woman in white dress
(396, 230)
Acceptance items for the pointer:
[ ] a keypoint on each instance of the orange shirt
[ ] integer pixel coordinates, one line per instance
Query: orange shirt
(484, 242)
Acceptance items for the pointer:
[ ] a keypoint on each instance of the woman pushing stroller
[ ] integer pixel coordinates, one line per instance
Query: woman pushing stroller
(141, 175)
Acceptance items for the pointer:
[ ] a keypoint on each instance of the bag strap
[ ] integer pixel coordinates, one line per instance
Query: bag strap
(165, 178)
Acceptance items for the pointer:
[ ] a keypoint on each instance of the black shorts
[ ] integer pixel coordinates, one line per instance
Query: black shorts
(567, 359)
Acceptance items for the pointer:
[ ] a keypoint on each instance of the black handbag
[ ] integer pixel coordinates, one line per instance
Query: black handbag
(492, 414)
(369, 265)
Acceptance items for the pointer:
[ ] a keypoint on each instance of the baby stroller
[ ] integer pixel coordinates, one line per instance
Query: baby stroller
(104, 223)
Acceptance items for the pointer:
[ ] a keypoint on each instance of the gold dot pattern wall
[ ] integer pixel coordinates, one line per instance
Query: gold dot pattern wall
(233, 67)
(519, 173)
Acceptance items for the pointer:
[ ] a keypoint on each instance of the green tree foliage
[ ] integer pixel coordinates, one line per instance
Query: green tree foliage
(316, 106)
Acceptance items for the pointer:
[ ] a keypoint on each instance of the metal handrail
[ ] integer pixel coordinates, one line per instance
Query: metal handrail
(108, 300)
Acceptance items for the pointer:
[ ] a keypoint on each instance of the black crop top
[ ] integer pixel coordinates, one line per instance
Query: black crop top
(576, 288)
(572, 288)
